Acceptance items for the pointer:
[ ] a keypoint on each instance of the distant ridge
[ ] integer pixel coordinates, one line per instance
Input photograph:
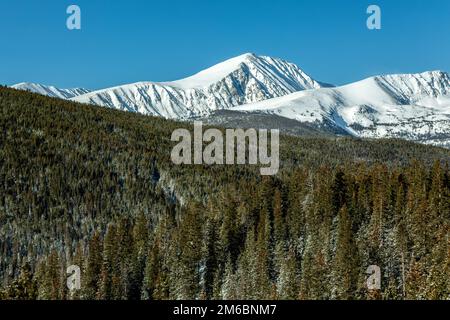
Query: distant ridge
(408, 106)
(50, 90)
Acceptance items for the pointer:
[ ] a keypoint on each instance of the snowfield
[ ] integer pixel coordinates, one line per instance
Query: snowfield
(409, 106)
(241, 80)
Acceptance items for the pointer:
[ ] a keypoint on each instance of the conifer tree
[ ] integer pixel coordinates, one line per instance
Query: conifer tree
(278, 216)
(49, 277)
(211, 258)
(228, 291)
(287, 284)
(110, 268)
(124, 253)
(247, 273)
(91, 284)
(139, 255)
(24, 287)
(190, 245)
(345, 264)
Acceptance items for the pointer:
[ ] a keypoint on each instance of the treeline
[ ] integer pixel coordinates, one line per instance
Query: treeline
(87, 186)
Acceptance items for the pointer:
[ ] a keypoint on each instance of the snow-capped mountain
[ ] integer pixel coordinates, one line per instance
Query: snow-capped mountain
(245, 79)
(409, 106)
(50, 90)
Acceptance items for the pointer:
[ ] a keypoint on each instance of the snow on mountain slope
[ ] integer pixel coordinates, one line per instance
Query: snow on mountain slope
(245, 79)
(410, 106)
(50, 90)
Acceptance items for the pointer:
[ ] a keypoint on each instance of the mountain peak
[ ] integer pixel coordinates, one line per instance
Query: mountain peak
(260, 68)
(248, 55)
(212, 74)
(240, 80)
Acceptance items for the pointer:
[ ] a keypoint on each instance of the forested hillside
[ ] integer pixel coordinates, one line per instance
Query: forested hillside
(95, 187)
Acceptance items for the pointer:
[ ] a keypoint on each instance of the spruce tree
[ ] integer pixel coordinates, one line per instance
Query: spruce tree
(91, 284)
(345, 262)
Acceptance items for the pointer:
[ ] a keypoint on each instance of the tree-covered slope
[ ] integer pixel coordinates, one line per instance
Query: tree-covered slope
(96, 188)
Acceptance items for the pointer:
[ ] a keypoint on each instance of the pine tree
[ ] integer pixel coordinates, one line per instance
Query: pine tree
(339, 191)
(265, 268)
(157, 278)
(437, 282)
(153, 272)
(278, 216)
(93, 268)
(49, 277)
(110, 268)
(211, 258)
(121, 290)
(190, 244)
(287, 283)
(229, 291)
(345, 263)
(229, 230)
(247, 273)
(139, 255)
(23, 288)
(415, 281)
(314, 276)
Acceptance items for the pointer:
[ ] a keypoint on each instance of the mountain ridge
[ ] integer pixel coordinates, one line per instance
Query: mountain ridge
(409, 106)
(244, 79)
(50, 91)
(412, 106)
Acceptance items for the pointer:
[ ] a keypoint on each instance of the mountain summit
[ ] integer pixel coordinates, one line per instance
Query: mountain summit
(241, 80)
(408, 106)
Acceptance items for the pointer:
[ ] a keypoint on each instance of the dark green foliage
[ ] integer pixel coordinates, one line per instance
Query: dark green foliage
(96, 188)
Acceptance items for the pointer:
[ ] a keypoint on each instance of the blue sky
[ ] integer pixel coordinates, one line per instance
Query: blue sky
(128, 41)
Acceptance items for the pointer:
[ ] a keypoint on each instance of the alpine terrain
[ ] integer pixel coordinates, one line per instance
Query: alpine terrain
(50, 91)
(95, 188)
(241, 80)
(240, 90)
(410, 106)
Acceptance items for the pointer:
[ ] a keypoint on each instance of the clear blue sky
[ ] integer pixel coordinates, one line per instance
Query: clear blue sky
(128, 41)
